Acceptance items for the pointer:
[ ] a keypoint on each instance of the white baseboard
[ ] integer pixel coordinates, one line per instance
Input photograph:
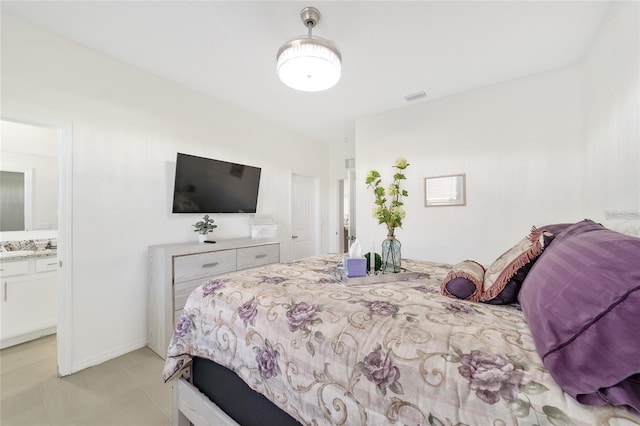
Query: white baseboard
(107, 355)
(25, 337)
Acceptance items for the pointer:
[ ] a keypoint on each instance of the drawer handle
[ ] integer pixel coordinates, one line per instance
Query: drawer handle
(5, 291)
(260, 256)
(210, 265)
(52, 264)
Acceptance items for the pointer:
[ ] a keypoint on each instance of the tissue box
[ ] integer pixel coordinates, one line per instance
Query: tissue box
(355, 267)
(264, 231)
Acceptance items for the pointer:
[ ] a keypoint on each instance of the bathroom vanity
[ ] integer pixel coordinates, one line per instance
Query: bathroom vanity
(28, 308)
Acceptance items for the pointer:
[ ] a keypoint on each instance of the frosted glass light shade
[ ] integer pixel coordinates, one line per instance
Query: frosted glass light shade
(309, 64)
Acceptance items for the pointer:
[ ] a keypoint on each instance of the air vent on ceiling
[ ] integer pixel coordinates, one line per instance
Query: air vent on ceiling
(415, 96)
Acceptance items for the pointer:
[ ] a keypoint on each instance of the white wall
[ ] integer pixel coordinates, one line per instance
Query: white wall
(552, 147)
(28, 147)
(127, 127)
(520, 145)
(612, 114)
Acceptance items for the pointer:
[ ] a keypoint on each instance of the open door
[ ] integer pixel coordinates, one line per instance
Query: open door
(64, 241)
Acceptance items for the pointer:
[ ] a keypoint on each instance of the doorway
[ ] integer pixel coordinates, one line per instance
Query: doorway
(347, 208)
(63, 134)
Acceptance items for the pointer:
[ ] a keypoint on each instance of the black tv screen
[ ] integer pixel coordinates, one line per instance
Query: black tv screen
(204, 185)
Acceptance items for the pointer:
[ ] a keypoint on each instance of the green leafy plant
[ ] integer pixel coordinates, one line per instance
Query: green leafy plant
(204, 226)
(389, 211)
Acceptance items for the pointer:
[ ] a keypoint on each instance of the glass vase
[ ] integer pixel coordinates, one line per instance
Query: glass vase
(391, 255)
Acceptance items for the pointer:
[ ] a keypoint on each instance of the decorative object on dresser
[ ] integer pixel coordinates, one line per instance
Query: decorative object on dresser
(264, 226)
(176, 269)
(203, 227)
(390, 213)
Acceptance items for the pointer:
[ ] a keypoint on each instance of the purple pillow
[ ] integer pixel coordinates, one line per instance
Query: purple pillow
(509, 293)
(582, 302)
(556, 228)
(502, 280)
(464, 281)
(461, 288)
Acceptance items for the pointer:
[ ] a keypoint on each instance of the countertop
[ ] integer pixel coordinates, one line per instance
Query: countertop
(10, 256)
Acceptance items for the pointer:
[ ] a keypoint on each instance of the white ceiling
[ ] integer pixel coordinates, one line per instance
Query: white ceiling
(390, 49)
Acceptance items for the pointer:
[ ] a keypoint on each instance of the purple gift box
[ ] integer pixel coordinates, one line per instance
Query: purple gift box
(356, 267)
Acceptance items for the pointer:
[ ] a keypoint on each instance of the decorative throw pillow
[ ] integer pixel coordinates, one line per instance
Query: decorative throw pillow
(464, 281)
(581, 302)
(503, 279)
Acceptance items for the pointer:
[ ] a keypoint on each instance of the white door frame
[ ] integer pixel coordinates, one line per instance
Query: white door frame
(65, 223)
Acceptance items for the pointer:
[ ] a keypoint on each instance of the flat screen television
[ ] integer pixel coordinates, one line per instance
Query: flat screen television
(204, 185)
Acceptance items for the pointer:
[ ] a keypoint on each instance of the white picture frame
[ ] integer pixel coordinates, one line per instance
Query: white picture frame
(445, 190)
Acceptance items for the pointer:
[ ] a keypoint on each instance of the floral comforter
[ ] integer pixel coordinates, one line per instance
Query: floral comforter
(393, 353)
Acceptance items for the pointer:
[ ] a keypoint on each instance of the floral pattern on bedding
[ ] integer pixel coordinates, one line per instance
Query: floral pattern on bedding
(392, 353)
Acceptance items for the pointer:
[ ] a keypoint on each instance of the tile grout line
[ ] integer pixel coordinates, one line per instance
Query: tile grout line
(138, 384)
(143, 389)
(4, 394)
(41, 392)
(41, 385)
(33, 346)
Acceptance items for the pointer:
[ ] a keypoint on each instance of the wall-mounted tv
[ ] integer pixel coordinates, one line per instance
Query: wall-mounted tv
(205, 185)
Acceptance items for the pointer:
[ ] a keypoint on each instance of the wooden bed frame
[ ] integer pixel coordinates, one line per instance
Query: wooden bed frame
(190, 406)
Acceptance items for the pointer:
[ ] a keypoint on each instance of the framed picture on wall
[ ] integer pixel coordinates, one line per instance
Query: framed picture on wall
(446, 190)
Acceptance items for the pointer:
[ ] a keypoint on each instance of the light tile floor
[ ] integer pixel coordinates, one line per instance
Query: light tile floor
(124, 391)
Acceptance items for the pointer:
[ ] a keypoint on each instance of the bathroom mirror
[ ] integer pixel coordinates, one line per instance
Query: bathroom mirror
(15, 200)
(447, 190)
(29, 177)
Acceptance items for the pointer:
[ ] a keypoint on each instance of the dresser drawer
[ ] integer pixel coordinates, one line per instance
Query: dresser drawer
(250, 257)
(190, 267)
(8, 269)
(46, 264)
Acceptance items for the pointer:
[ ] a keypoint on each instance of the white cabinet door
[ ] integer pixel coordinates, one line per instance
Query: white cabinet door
(46, 264)
(29, 303)
(10, 269)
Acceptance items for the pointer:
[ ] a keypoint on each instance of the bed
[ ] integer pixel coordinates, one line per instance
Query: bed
(305, 348)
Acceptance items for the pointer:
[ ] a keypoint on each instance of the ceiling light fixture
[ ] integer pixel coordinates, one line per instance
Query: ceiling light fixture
(309, 64)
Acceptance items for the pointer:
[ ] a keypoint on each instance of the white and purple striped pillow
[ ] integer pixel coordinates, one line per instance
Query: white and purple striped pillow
(582, 302)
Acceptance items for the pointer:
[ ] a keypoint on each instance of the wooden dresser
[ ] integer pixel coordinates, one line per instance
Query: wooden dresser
(176, 269)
